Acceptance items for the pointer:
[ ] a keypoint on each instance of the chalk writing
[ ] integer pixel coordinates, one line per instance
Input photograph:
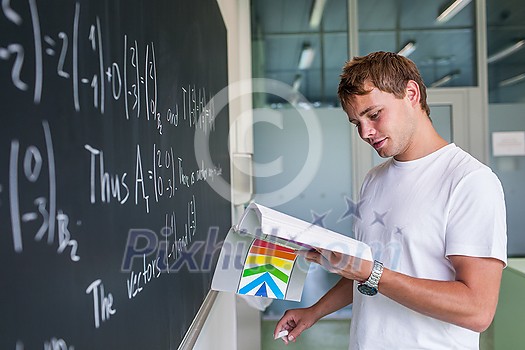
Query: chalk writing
(102, 304)
(99, 117)
(134, 78)
(52, 344)
(110, 185)
(45, 206)
(137, 281)
(203, 174)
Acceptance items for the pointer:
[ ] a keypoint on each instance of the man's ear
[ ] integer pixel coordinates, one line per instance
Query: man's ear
(413, 93)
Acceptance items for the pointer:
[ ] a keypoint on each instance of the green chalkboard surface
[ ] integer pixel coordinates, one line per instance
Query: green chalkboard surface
(110, 223)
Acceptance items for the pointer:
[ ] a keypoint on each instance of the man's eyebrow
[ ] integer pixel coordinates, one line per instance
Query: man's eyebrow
(366, 110)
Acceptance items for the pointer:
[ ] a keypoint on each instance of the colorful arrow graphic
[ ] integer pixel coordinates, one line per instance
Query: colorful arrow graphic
(267, 270)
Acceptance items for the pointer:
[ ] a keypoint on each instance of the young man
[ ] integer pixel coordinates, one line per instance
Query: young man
(433, 215)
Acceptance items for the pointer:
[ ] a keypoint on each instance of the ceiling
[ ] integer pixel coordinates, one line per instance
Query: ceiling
(280, 30)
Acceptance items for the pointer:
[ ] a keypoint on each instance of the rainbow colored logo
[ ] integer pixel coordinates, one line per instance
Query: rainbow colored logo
(267, 270)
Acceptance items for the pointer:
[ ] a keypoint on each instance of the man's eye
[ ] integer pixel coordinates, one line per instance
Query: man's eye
(374, 116)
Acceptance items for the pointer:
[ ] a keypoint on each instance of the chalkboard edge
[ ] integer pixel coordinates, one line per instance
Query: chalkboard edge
(191, 336)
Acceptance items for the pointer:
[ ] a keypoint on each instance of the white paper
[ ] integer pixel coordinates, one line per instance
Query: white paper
(259, 256)
(508, 143)
(277, 224)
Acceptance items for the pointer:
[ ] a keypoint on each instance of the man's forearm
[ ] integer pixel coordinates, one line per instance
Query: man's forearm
(469, 302)
(336, 298)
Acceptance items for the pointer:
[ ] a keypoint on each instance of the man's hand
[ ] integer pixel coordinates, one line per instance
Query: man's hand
(295, 321)
(346, 266)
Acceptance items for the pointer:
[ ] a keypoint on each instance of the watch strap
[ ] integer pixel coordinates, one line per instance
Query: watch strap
(375, 276)
(370, 286)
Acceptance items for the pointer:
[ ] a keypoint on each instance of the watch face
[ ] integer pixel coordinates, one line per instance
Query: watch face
(366, 289)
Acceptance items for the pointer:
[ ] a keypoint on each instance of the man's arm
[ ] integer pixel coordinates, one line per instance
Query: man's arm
(469, 301)
(295, 321)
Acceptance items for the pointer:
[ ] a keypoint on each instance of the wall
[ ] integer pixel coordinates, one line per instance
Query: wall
(302, 167)
(511, 172)
(302, 163)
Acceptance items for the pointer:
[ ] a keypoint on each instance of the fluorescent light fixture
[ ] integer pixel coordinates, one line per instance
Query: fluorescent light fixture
(452, 10)
(304, 105)
(445, 79)
(408, 49)
(316, 14)
(507, 51)
(307, 57)
(514, 80)
(297, 82)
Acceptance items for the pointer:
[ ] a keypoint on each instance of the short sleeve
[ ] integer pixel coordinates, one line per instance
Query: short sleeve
(476, 223)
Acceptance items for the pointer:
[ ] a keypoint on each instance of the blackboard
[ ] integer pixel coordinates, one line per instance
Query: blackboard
(109, 223)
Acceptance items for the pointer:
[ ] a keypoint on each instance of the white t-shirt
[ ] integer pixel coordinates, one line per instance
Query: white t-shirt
(414, 214)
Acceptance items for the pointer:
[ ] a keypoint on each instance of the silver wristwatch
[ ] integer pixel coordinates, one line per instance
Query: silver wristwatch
(369, 287)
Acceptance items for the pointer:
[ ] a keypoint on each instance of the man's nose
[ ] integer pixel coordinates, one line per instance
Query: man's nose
(366, 130)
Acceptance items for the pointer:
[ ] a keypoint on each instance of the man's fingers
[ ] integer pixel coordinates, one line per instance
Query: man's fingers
(296, 332)
(283, 324)
(338, 261)
(312, 256)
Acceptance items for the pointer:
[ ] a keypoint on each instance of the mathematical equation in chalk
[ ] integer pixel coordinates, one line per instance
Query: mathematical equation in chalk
(26, 167)
(152, 179)
(130, 78)
(149, 184)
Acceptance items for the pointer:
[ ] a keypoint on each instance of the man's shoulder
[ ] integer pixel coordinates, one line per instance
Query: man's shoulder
(464, 169)
(379, 169)
(462, 163)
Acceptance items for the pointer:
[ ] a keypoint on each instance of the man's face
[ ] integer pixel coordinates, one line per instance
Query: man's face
(387, 123)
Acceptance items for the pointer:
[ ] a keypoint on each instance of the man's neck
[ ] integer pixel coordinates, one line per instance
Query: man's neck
(427, 141)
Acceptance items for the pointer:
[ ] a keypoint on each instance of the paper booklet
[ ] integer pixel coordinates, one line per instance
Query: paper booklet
(259, 255)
